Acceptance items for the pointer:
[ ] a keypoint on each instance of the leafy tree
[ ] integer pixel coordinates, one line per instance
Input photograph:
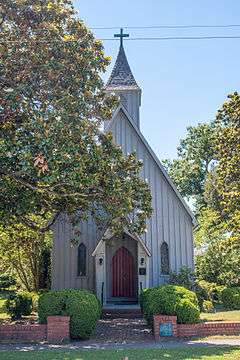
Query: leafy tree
(210, 227)
(224, 191)
(195, 157)
(22, 252)
(53, 157)
(220, 263)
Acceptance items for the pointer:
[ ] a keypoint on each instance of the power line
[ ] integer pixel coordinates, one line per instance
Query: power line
(144, 39)
(167, 27)
(175, 38)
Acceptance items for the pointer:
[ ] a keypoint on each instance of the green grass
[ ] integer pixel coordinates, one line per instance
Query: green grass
(190, 353)
(221, 316)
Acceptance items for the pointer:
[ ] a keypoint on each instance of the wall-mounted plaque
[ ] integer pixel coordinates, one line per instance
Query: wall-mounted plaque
(142, 271)
(166, 329)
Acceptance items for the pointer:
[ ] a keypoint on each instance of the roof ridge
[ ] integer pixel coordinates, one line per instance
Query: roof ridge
(121, 74)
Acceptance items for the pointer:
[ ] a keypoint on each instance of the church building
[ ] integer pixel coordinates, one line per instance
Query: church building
(117, 268)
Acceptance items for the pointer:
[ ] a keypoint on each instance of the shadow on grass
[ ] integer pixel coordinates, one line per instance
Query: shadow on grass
(193, 353)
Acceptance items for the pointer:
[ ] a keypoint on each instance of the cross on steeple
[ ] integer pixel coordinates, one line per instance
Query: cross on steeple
(121, 36)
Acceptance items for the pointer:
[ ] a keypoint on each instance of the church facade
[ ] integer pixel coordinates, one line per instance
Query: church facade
(118, 268)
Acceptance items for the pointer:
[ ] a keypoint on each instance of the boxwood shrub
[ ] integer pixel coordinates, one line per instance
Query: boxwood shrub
(231, 298)
(170, 300)
(82, 306)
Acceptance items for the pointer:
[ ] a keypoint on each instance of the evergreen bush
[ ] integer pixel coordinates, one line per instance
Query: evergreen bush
(18, 305)
(231, 298)
(6, 281)
(164, 300)
(187, 312)
(82, 306)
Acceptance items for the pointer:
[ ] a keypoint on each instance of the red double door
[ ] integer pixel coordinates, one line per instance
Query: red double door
(123, 274)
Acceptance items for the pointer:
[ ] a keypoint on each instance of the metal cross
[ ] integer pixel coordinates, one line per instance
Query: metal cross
(121, 36)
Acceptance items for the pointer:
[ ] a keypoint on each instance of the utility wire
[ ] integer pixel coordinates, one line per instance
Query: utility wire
(144, 39)
(175, 38)
(167, 27)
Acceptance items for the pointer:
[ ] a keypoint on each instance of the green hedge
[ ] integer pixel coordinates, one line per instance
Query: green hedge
(19, 304)
(170, 300)
(81, 305)
(231, 298)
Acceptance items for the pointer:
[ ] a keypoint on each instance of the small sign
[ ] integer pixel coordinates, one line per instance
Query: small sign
(142, 271)
(166, 329)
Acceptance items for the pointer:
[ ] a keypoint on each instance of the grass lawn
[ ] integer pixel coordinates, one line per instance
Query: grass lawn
(190, 353)
(221, 316)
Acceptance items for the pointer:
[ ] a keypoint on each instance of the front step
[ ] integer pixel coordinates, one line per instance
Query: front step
(121, 312)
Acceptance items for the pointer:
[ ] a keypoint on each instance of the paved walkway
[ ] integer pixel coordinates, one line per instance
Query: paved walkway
(124, 334)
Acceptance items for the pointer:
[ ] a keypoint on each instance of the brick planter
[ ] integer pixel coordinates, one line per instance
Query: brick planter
(199, 329)
(56, 330)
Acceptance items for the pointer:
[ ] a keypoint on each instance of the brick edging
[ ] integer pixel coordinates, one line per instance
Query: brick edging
(56, 330)
(199, 329)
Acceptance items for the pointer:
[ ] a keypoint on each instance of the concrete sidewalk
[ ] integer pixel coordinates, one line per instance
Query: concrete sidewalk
(163, 344)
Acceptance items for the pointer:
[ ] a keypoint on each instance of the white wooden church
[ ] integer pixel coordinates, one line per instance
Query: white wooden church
(117, 268)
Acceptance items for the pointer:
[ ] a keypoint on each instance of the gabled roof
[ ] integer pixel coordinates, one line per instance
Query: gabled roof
(107, 235)
(121, 76)
(153, 155)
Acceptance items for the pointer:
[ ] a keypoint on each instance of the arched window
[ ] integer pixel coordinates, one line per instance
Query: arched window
(164, 259)
(81, 260)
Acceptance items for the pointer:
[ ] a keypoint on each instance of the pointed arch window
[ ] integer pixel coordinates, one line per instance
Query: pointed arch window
(164, 259)
(81, 260)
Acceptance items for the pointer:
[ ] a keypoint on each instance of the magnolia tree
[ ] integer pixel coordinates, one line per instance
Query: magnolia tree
(53, 158)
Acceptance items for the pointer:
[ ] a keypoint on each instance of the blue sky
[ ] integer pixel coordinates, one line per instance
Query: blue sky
(183, 82)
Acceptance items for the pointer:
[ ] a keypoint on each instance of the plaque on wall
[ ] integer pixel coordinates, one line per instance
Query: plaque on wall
(166, 329)
(142, 271)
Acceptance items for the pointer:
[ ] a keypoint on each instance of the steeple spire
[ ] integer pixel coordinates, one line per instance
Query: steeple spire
(123, 83)
(121, 75)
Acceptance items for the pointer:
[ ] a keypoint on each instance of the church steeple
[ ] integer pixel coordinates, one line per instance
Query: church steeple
(123, 83)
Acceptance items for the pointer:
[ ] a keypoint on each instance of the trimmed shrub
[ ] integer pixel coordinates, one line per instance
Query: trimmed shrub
(231, 298)
(82, 306)
(18, 305)
(185, 277)
(164, 300)
(6, 281)
(207, 306)
(187, 312)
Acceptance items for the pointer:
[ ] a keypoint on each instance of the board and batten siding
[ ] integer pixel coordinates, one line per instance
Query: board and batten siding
(64, 255)
(170, 222)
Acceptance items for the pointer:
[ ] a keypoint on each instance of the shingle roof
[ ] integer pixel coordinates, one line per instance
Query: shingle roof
(121, 76)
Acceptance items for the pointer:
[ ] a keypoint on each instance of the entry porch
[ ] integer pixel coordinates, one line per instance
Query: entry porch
(121, 269)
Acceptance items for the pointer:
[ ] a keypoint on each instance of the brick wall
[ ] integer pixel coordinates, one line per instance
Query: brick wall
(56, 330)
(35, 332)
(200, 329)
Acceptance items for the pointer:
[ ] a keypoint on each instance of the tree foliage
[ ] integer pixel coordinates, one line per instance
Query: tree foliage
(53, 157)
(23, 254)
(225, 189)
(220, 263)
(195, 156)
(210, 227)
